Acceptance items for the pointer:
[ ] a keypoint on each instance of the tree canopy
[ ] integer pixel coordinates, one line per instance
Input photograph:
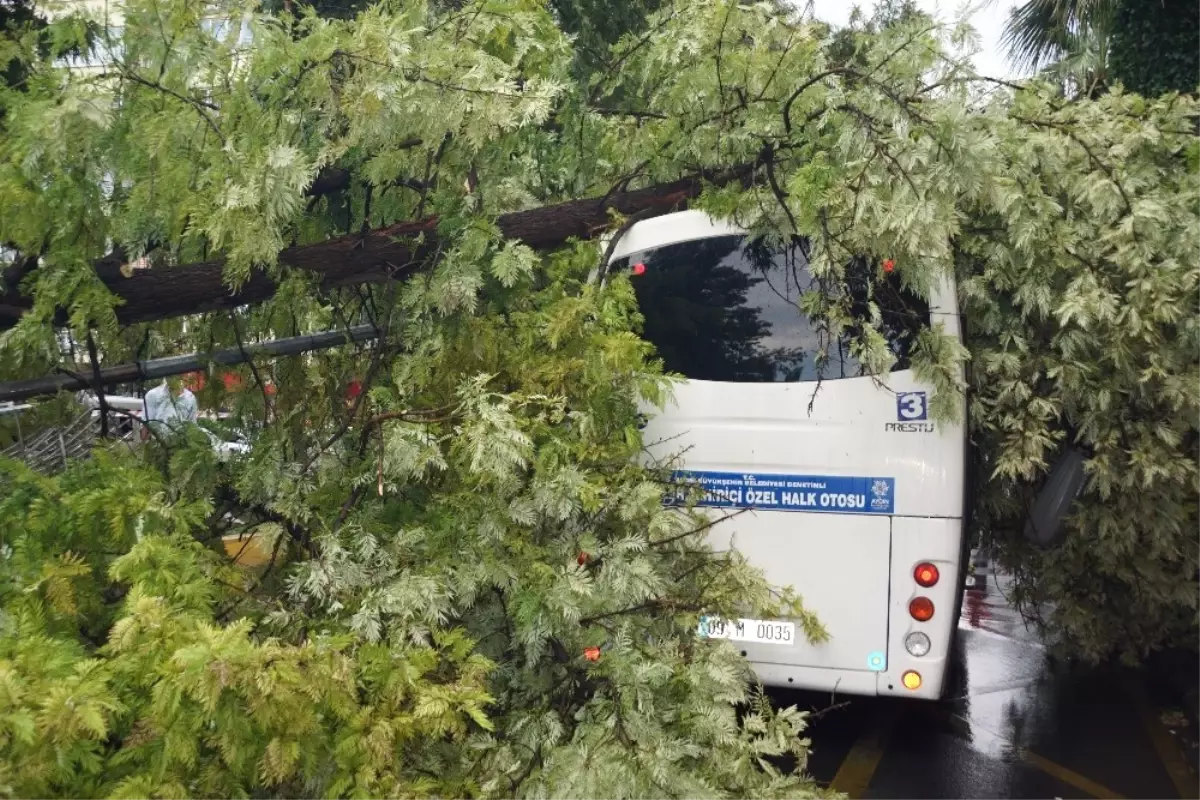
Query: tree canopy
(1146, 45)
(473, 586)
(1151, 48)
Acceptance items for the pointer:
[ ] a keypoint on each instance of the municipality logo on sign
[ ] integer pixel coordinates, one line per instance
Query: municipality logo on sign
(881, 492)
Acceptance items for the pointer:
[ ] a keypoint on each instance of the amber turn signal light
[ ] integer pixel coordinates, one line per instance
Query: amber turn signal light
(911, 680)
(921, 609)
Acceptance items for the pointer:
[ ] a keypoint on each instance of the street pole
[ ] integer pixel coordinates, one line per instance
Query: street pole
(178, 365)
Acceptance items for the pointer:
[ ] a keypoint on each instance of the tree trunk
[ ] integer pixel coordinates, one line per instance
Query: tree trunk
(382, 254)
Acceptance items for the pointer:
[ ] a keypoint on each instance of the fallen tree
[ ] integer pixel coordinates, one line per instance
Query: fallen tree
(414, 678)
(474, 587)
(389, 253)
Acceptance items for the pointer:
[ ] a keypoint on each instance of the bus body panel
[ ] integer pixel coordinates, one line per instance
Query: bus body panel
(916, 540)
(855, 429)
(682, 226)
(852, 563)
(817, 679)
(822, 555)
(854, 570)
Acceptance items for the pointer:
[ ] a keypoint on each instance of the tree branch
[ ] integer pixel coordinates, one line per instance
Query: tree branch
(390, 253)
(1102, 166)
(426, 416)
(194, 102)
(703, 527)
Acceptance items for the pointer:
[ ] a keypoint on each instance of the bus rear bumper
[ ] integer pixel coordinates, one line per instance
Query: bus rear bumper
(842, 681)
(857, 682)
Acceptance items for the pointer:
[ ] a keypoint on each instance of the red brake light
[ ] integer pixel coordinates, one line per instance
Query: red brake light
(921, 609)
(926, 574)
(638, 269)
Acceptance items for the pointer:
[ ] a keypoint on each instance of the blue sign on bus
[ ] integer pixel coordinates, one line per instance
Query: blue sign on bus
(836, 494)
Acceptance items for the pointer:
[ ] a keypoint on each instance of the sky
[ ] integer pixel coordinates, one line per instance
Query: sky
(987, 17)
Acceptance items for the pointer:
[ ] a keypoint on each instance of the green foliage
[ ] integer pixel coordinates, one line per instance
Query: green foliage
(474, 589)
(14, 17)
(1041, 32)
(598, 24)
(175, 703)
(1154, 46)
(1149, 46)
(435, 644)
(1083, 331)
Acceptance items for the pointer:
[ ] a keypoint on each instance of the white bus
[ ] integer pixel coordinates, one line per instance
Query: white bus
(856, 494)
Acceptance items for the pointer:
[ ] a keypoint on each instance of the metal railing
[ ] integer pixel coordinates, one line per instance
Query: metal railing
(50, 450)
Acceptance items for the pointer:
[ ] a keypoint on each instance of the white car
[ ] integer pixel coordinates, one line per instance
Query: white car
(134, 406)
(226, 450)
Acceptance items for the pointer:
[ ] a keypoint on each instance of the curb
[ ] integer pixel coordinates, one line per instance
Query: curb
(978, 569)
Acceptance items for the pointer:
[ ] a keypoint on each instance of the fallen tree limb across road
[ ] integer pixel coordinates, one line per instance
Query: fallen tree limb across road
(381, 254)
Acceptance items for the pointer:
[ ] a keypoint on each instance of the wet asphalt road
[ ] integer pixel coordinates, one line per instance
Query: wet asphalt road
(1012, 724)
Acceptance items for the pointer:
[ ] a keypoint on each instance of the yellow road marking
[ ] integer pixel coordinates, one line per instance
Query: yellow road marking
(1070, 777)
(963, 727)
(1168, 750)
(858, 767)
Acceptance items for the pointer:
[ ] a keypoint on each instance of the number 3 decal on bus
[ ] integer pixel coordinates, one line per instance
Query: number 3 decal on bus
(911, 406)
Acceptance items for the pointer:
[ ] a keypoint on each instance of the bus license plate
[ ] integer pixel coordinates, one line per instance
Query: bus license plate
(761, 631)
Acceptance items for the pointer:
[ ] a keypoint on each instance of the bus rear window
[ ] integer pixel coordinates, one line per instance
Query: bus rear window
(726, 309)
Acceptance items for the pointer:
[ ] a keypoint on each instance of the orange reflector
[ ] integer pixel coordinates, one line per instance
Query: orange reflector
(926, 574)
(921, 609)
(911, 680)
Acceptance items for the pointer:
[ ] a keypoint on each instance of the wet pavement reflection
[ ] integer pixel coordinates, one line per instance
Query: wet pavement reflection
(1013, 723)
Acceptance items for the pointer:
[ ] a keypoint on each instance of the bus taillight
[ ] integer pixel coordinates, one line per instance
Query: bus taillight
(926, 574)
(921, 609)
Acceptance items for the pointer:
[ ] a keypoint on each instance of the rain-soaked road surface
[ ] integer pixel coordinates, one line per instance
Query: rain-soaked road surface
(1012, 724)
